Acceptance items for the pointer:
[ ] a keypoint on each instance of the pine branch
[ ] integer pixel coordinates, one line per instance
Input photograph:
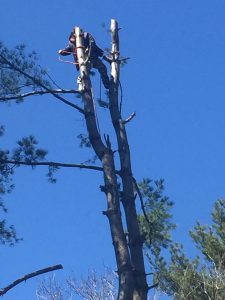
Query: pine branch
(28, 276)
(141, 200)
(42, 85)
(51, 164)
(34, 93)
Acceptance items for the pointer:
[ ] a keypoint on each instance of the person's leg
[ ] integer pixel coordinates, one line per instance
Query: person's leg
(99, 65)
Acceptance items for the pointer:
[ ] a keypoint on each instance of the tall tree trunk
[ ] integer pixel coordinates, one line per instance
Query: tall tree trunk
(105, 154)
(128, 197)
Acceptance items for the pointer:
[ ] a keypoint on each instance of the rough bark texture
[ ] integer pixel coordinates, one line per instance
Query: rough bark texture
(4, 290)
(128, 197)
(105, 154)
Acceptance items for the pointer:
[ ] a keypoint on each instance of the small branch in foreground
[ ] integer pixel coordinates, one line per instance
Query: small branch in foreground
(153, 286)
(51, 164)
(129, 118)
(34, 93)
(28, 276)
(141, 200)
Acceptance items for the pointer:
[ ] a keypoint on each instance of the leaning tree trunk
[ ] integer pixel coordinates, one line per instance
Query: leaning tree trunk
(105, 154)
(128, 196)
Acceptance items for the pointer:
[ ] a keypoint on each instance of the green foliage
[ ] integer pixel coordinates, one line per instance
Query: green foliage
(27, 150)
(202, 277)
(51, 172)
(84, 140)
(7, 234)
(210, 240)
(158, 226)
(157, 231)
(19, 72)
(6, 173)
(182, 278)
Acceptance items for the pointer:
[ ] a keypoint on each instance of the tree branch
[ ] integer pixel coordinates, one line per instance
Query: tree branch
(42, 85)
(34, 93)
(28, 276)
(129, 118)
(153, 286)
(51, 164)
(141, 200)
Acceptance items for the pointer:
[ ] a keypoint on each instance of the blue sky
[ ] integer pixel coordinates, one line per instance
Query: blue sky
(175, 81)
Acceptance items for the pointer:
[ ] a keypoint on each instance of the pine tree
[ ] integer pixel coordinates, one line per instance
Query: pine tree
(202, 277)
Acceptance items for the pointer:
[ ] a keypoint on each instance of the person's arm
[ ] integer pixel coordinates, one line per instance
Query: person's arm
(67, 51)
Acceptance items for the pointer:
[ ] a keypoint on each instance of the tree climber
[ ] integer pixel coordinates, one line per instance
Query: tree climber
(93, 53)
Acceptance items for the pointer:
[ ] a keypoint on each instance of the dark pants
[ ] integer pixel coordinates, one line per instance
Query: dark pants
(98, 64)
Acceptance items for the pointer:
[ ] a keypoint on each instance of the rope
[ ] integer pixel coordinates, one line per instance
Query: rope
(68, 61)
(121, 96)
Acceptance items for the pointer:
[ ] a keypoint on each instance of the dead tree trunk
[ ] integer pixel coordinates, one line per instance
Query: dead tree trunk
(105, 154)
(128, 197)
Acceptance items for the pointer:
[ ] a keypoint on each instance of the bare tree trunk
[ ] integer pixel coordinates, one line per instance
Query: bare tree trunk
(128, 197)
(105, 154)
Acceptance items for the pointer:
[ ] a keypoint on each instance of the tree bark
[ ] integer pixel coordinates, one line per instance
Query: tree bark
(128, 197)
(28, 276)
(105, 154)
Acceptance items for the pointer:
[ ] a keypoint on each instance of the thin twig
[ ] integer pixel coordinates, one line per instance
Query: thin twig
(212, 261)
(34, 93)
(124, 58)
(28, 276)
(129, 118)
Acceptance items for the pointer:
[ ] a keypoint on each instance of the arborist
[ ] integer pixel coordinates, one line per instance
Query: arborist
(93, 53)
